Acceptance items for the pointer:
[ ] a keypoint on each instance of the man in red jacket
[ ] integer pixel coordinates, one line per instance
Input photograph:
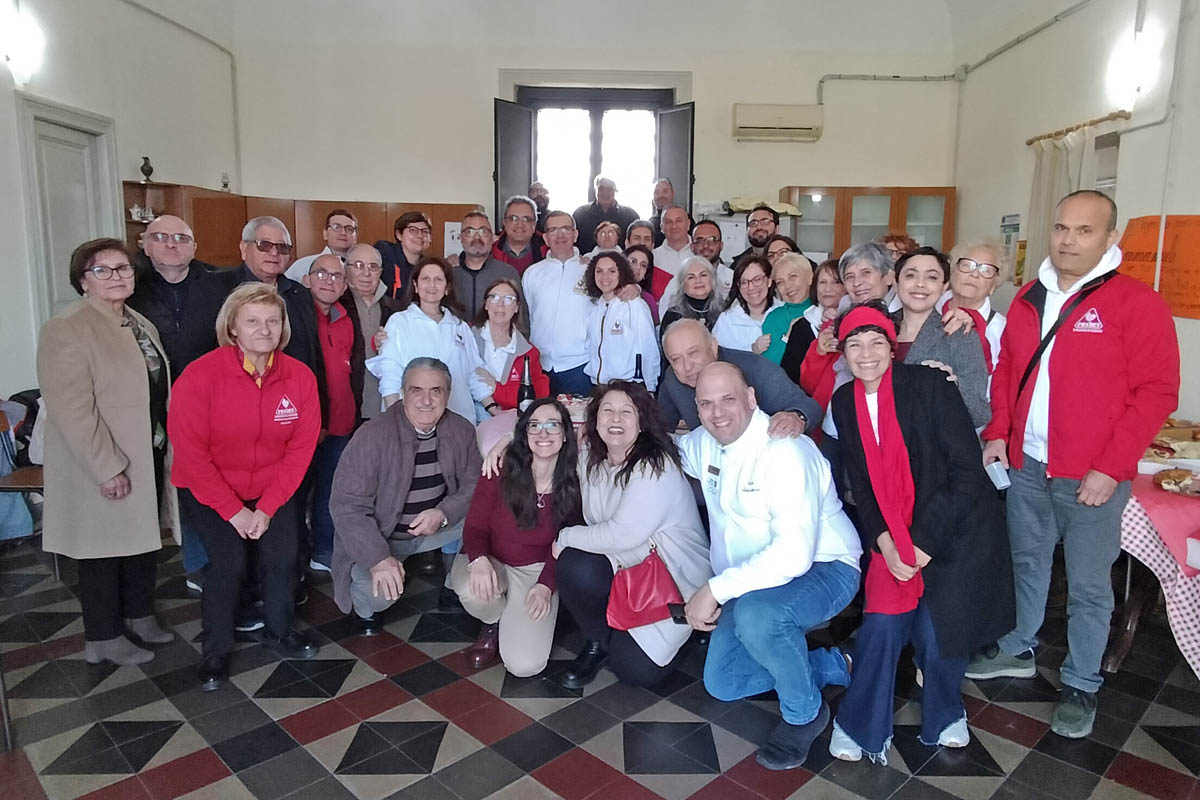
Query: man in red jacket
(1072, 419)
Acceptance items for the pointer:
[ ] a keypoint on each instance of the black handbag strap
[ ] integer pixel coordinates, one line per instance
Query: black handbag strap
(1062, 317)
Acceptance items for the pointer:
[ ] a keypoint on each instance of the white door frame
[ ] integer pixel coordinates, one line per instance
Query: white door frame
(30, 109)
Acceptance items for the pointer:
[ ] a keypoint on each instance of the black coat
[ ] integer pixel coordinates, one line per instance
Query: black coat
(397, 272)
(958, 518)
(185, 314)
(799, 339)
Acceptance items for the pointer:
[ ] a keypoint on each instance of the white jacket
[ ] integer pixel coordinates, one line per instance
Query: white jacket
(772, 508)
(412, 333)
(736, 329)
(618, 332)
(669, 259)
(559, 307)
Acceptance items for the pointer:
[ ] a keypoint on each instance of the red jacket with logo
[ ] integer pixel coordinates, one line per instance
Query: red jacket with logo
(505, 393)
(1114, 378)
(235, 442)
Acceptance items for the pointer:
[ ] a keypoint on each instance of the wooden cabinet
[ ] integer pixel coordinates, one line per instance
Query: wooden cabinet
(216, 217)
(836, 217)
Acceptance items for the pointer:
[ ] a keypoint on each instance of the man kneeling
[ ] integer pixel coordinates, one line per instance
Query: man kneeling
(786, 560)
(403, 486)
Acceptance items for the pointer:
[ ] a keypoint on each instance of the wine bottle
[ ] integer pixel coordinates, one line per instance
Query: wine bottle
(525, 394)
(637, 370)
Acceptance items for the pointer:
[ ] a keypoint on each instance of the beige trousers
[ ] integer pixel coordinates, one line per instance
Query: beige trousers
(524, 643)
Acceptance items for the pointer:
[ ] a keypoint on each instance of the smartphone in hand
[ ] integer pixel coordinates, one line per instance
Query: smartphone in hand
(677, 614)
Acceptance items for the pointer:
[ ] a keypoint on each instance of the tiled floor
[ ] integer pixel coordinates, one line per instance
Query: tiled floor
(402, 716)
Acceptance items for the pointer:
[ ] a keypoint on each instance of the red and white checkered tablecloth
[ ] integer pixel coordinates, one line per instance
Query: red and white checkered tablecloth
(1141, 540)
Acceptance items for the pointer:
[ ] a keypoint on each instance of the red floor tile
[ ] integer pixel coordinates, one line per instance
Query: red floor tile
(363, 646)
(724, 789)
(128, 789)
(46, 651)
(626, 788)
(576, 774)
(493, 721)
(458, 698)
(774, 785)
(25, 790)
(181, 614)
(374, 699)
(15, 767)
(319, 609)
(395, 660)
(973, 705)
(318, 722)
(1023, 730)
(1150, 778)
(185, 774)
(457, 661)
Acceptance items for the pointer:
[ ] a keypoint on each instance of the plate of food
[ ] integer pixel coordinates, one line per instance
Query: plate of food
(1179, 481)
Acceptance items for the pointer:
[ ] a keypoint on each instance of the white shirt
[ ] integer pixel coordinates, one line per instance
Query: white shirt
(301, 266)
(668, 259)
(772, 508)
(618, 332)
(559, 307)
(412, 333)
(496, 359)
(672, 290)
(737, 329)
(995, 324)
(1037, 424)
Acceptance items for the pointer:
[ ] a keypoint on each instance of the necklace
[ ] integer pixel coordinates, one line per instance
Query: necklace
(541, 499)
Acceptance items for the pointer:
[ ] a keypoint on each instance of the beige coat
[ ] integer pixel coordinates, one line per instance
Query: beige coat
(97, 393)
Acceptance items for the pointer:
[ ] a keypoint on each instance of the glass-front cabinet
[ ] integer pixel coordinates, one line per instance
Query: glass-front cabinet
(836, 217)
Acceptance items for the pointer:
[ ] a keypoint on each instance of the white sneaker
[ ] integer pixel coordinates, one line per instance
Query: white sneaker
(955, 735)
(842, 747)
(920, 678)
(194, 585)
(317, 566)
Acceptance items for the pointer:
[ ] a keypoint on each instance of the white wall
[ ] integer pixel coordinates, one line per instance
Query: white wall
(393, 101)
(1057, 79)
(170, 95)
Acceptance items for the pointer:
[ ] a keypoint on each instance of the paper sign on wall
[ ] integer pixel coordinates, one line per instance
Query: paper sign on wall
(1179, 283)
(453, 239)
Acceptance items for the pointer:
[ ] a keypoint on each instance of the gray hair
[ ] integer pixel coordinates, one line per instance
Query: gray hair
(876, 255)
(364, 245)
(519, 198)
(685, 322)
(639, 223)
(604, 179)
(999, 255)
(427, 362)
(712, 308)
(251, 229)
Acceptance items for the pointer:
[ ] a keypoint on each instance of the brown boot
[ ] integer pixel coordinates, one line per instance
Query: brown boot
(486, 650)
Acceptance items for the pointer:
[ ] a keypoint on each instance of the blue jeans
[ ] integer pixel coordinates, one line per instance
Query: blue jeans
(1042, 511)
(865, 713)
(759, 643)
(571, 381)
(325, 461)
(195, 557)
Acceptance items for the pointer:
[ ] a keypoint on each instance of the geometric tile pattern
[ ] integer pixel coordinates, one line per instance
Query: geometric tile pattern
(402, 715)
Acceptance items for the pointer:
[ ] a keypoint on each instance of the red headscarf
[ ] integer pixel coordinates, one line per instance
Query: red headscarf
(891, 479)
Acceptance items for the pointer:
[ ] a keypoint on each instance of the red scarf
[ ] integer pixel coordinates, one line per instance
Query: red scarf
(891, 481)
(981, 330)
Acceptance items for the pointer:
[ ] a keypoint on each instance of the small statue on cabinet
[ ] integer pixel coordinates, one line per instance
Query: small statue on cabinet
(147, 169)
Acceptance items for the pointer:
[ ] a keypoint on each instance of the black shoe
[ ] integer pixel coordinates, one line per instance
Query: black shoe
(789, 744)
(291, 645)
(301, 595)
(584, 668)
(448, 602)
(427, 563)
(369, 626)
(250, 620)
(213, 673)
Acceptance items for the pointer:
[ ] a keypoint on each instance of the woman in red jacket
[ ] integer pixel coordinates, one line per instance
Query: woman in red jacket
(505, 351)
(244, 424)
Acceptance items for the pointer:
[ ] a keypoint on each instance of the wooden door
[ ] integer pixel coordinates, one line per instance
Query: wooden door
(217, 219)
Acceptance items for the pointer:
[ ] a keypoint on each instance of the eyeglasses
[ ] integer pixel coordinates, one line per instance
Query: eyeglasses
(515, 218)
(424, 233)
(338, 227)
(968, 266)
(105, 273)
(756, 281)
(705, 239)
(774, 254)
(760, 223)
(559, 229)
(265, 246)
(326, 275)
(548, 426)
(476, 231)
(177, 238)
(368, 266)
(501, 299)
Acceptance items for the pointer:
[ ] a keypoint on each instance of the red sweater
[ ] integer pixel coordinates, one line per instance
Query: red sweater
(336, 333)
(817, 376)
(506, 393)
(1113, 381)
(536, 252)
(236, 442)
(491, 530)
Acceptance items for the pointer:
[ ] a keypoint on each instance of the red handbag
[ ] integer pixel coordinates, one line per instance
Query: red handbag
(640, 594)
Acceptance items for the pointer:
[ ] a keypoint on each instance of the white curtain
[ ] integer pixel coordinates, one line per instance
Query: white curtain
(1063, 164)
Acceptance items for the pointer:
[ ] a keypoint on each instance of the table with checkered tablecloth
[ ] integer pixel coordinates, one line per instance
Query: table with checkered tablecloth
(1140, 539)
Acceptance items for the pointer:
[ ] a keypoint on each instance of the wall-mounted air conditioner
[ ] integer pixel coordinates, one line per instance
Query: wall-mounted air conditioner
(777, 123)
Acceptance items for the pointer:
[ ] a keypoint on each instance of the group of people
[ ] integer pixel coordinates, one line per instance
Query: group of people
(762, 444)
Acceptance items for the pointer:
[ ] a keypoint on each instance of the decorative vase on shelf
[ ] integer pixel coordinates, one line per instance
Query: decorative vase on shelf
(146, 169)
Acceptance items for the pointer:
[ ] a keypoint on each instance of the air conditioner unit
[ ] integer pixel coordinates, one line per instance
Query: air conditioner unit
(777, 123)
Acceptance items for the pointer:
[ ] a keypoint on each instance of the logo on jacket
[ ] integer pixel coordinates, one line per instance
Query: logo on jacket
(286, 410)
(1090, 322)
(617, 329)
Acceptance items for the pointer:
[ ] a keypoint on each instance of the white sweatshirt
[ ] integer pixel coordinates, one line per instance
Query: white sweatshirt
(618, 331)
(736, 329)
(559, 307)
(772, 508)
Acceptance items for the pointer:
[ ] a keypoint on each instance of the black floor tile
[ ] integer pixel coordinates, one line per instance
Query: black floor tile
(140, 751)
(1121, 705)
(123, 698)
(1111, 731)
(225, 723)
(46, 682)
(697, 700)
(622, 700)
(283, 775)
(543, 685)
(674, 682)
(15, 583)
(579, 721)
(326, 789)
(748, 721)
(1041, 772)
(478, 775)
(872, 781)
(1179, 699)
(426, 678)
(1183, 742)
(1083, 753)
(532, 747)
(1132, 684)
(366, 743)
(917, 789)
(92, 741)
(51, 722)
(194, 702)
(425, 789)
(254, 747)
(38, 599)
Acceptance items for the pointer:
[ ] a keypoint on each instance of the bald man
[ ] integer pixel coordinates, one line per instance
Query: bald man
(784, 557)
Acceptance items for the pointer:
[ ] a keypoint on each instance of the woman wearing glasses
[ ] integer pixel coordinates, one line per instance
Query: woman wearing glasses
(505, 574)
(105, 381)
(751, 298)
(978, 268)
(505, 351)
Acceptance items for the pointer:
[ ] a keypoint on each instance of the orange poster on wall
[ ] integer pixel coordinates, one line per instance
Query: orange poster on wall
(1179, 283)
